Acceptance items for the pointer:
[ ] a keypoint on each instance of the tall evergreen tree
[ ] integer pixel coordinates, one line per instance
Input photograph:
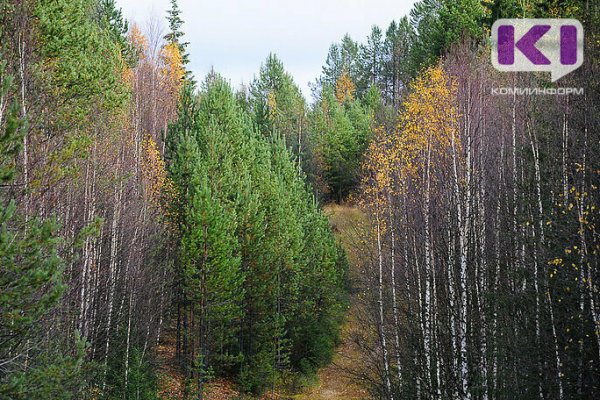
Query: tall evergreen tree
(371, 56)
(111, 20)
(341, 57)
(278, 106)
(242, 246)
(396, 69)
(342, 134)
(175, 34)
(439, 24)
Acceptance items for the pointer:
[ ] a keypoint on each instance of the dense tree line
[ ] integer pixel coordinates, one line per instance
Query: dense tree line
(134, 205)
(481, 245)
(261, 279)
(83, 211)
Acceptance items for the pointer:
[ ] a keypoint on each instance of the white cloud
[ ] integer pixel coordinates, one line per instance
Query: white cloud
(235, 36)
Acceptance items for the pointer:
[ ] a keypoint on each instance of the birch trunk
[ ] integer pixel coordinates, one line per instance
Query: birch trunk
(452, 302)
(386, 364)
(394, 297)
(428, 267)
(463, 226)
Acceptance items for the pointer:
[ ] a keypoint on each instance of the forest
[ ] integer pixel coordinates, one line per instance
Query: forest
(406, 233)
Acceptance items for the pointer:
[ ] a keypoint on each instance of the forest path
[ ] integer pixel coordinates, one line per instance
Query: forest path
(334, 380)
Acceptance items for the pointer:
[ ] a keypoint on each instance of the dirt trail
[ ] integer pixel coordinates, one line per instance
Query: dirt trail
(334, 381)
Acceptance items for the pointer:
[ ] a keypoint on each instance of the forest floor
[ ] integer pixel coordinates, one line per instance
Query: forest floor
(333, 382)
(172, 378)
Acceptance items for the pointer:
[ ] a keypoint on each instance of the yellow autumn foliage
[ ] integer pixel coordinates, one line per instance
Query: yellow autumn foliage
(172, 70)
(344, 88)
(272, 106)
(425, 132)
(138, 41)
(158, 186)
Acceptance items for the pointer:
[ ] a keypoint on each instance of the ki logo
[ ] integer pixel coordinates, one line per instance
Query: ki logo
(551, 45)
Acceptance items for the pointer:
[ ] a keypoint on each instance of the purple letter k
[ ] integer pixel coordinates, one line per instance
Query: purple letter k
(527, 44)
(506, 45)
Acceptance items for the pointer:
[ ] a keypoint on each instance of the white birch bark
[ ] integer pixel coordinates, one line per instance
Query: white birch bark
(394, 295)
(128, 340)
(381, 321)
(592, 290)
(452, 301)
(428, 267)
(556, 349)
(536, 163)
(22, 68)
(112, 278)
(463, 226)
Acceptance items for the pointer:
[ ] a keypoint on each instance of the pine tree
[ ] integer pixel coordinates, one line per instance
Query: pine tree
(278, 105)
(371, 56)
(398, 41)
(341, 56)
(439, 24)
(342, 133)
(244, 216)
(111, 20)
(175, 34)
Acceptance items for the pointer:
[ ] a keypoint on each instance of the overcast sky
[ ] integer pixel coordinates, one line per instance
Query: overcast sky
(236, 36)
